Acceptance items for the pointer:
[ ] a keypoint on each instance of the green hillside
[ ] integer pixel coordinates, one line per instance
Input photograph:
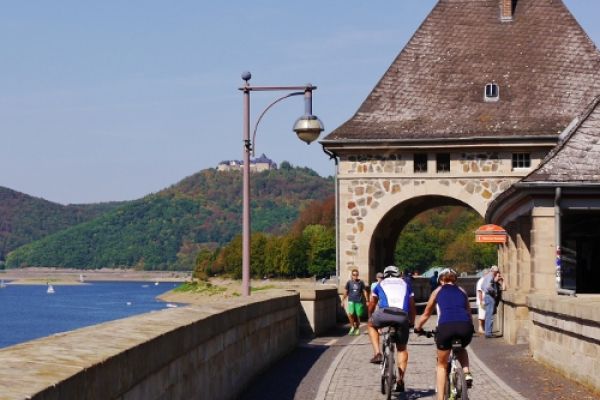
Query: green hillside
(167, 229)
(24, 218)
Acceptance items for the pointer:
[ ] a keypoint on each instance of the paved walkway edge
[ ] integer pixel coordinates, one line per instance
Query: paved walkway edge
(326, 381)
(503, 385)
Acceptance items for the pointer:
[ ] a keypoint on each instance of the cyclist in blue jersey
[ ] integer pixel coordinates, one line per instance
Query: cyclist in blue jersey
(454, 320)
(394, 299)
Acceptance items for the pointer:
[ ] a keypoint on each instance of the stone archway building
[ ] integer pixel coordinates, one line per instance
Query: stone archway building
(471, 105)
(474, 111)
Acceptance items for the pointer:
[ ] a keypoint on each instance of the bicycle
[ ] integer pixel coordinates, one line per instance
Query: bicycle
(388, 364)
(456, 385)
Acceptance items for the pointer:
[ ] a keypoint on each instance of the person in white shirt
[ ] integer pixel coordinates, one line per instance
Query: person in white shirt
(480, 303)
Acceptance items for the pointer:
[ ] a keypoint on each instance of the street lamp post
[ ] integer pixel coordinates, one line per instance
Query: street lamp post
(308, 128)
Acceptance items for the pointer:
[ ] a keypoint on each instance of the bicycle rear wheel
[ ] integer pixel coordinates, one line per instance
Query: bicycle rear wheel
(390, 372)
(460, 382)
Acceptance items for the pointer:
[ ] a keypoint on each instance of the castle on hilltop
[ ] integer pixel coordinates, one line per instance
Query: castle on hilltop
(257, 164)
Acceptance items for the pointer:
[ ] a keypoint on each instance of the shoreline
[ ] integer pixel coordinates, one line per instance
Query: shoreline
(67, 276)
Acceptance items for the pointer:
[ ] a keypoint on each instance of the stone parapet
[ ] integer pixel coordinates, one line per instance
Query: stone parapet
(566, 335)
(318, 313)
(516, 325)
(210, 351)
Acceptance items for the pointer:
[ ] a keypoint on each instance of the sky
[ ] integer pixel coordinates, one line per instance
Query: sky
(113, 100)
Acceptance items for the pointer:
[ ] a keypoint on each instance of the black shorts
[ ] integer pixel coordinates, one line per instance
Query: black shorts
(383, 317)
(446, 332)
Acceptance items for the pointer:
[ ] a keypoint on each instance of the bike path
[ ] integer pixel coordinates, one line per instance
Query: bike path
(337, 366)
(351, 376)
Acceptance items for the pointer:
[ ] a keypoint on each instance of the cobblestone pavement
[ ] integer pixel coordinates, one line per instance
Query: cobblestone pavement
(351, 376)
(336, 366)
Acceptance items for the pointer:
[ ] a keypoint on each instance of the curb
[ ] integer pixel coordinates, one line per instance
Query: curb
(327, 378)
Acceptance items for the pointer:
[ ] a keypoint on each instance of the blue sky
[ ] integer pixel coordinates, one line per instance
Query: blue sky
(113, 100)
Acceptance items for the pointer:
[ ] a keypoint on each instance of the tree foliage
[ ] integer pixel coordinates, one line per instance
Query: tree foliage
(167, 230)
(443, 236)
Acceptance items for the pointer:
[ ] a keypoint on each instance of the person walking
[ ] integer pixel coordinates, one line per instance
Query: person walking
(392, 303)
(488, 287)
(454, 320)
(356, 295)
(480, 303)
(433, 281)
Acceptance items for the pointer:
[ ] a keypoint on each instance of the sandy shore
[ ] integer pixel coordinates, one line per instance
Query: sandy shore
(228, 288)
(65, 276)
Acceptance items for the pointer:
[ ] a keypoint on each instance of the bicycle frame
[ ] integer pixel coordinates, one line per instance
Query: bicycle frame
(456, 387)
(388, 365)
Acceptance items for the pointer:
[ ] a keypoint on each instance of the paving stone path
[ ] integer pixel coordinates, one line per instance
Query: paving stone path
(351, 376)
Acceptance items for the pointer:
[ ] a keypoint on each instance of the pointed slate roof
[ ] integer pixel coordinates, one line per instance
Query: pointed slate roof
(577, 157)
(546, 66)
(573, 163)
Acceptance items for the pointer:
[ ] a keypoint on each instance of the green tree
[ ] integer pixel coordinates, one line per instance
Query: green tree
(321, 250)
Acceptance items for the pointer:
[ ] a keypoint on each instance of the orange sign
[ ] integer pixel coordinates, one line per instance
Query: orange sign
(490, 238)
(490, 234)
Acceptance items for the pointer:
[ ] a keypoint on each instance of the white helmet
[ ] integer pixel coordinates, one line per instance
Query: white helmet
(391, 270)
(446, 271)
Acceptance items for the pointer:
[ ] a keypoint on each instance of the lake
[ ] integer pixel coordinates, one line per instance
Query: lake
(28, 312)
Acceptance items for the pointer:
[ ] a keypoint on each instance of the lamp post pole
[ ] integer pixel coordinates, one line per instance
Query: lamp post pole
(308, 128)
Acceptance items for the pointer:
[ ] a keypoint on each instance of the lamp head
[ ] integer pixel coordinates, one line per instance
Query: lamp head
(308, 128)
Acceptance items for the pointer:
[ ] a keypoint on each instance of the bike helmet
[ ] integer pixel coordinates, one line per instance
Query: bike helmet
(391, 270)
(446, 271)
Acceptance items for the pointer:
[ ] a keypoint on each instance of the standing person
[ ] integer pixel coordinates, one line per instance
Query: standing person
(433, 281)
(489, 298)
(378, 278)
(480, 303)
(454, 320)
(356, 293)
(395, 303)
(499, 286)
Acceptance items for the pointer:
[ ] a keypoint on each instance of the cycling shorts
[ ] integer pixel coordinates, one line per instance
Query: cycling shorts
(390, 316)
(446, 332)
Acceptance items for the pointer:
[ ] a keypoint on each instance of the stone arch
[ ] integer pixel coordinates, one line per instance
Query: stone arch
(376, 209)
(387, 231)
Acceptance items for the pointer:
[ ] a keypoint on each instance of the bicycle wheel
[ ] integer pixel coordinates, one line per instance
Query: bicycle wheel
(460, 382)
(383, 366)
(391, 372)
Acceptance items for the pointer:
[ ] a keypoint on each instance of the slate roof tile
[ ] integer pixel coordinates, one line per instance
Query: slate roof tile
(577, 157)
(546, 66)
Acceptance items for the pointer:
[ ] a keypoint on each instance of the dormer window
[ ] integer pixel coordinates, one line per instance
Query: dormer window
(492, 92)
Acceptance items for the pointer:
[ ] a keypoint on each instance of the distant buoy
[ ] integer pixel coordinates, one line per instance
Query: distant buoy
(128, 303)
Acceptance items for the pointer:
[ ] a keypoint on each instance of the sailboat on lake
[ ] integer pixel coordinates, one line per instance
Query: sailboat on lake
(50, 289)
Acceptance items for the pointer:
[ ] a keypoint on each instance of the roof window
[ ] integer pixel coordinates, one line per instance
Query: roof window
(492, 92)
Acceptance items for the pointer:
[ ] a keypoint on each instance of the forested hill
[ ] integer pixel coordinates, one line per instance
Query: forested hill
(165, 230)
(24, 218)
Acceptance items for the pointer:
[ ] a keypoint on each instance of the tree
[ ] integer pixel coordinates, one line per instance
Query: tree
(321, 250)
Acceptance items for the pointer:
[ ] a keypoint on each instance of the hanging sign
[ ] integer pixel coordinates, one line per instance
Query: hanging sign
(490, 234)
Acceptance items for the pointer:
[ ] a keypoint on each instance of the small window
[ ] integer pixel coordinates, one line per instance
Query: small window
(420, 162)
(492, 92)
(442, 162)
(521, 160)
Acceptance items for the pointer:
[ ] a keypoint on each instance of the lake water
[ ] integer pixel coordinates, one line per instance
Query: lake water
(28, 312)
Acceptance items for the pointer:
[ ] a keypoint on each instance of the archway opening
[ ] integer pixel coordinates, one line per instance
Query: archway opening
(427, 232)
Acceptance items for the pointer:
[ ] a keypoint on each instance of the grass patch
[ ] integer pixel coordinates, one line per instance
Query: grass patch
(201, 287)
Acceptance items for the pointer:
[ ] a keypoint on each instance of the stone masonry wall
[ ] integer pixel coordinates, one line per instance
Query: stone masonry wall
(566, 335)
(195, 352)
(371, 185)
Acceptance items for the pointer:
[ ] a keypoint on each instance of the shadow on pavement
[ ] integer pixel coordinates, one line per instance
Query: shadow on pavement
(417, 394)
(297, 376)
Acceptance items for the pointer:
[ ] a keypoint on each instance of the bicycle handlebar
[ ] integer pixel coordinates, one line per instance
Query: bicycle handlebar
(423, 332)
